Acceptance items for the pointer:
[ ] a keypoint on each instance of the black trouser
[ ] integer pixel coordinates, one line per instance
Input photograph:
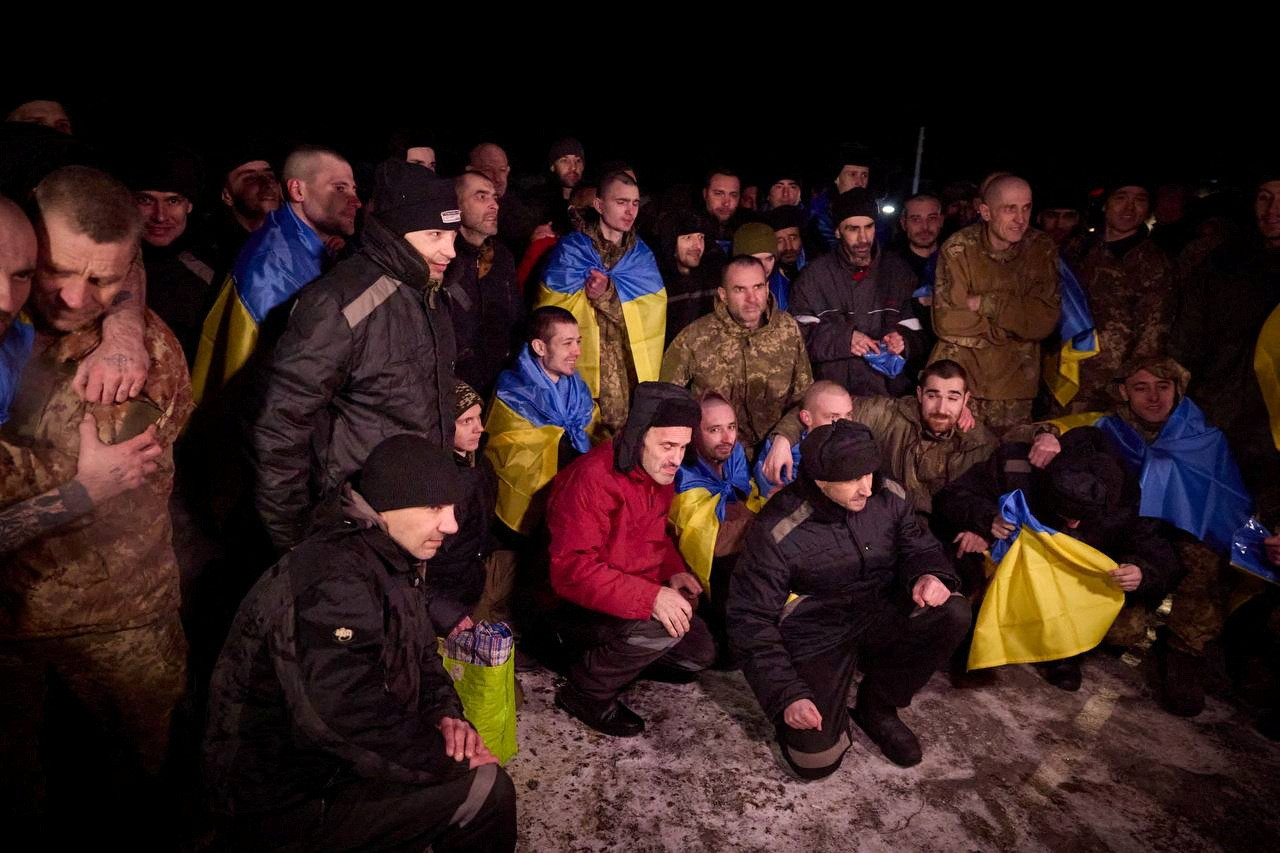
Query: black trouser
(897, 653)
(473, 812)
(608, 653)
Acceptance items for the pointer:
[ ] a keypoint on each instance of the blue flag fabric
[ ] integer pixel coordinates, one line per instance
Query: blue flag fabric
(885, 362)
(276, 262)
(1250, 554)
(735, 485)
(780, 287)
(927, 276)
(15, 349)
(1014, 509)
(1075, 323)
(762, 483)
(1188, 476)
(635, 275)
(533, 396)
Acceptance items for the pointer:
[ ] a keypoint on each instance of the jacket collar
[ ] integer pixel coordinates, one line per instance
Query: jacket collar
(394, 254)
(356, 511)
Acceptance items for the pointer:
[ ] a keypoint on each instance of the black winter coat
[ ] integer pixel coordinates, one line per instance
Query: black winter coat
(857, 565)
(368, 353)
(329, 673)
(830, 306)
(487, 314)
(455, 575)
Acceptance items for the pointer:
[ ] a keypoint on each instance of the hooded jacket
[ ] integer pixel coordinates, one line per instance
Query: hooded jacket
(610, 551)
(368, 353)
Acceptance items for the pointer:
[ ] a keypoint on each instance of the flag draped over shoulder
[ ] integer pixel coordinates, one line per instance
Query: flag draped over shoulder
(1266, 366)
(640, 290)
(1188, 476)
(528, 417)
(699, 507)
(1075, 329)
(15, 349)
(1051, 596)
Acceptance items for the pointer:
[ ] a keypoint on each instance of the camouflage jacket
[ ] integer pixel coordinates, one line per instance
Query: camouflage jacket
(1130, 299)
(617, 371)
(113, 568)
(999, 344)
(922, 463)
(763, 372)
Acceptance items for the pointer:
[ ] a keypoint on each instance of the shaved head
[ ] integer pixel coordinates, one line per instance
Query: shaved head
(1000, 185)
(304, 162)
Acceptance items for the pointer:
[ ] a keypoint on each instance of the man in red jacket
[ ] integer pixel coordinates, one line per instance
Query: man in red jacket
(629, 596)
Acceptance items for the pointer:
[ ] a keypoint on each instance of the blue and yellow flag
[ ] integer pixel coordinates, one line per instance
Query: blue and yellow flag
(527, 419)
(699, 506)
(15, 349)
(1051, 596)
(1249, 554)
(639, 285)
(1075, 329)
(277, 261)
(1266, 366)
(765, 489)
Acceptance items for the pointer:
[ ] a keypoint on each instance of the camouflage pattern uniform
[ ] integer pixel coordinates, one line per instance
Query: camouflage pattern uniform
(763, 372)
(921, 462)
(617, 370)
(1130, 297)
(999, 344)
(97, 600)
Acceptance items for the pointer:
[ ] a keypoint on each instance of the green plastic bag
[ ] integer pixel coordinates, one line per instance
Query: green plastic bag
(486, 687)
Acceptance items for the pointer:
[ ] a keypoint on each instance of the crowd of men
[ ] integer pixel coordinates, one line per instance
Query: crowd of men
(756, 426)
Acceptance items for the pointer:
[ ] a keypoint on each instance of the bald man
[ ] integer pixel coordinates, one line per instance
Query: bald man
(995, 299)
(490, 160)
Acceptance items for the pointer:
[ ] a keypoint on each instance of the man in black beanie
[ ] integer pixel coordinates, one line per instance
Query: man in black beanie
(873, 591)
(368, 352)
(628, 595)
(331, 720)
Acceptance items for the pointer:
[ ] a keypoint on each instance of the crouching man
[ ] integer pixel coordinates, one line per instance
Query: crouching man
(873, 590)
(332, 722)
(628, 593)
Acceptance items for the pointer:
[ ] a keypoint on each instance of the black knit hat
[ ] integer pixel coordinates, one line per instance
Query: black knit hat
(408, 197)
(787, 216)
(1082, 483)
(839, 452)
(653, 404)
(240, 153)
(858, 201)
(1128, 179)
(409, 471)
(171, 171)
(853, 154)
(564, 147)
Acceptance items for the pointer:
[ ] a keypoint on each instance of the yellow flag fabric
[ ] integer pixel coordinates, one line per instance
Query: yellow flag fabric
(579, 306)
(1266, 364)
(693, 516)
(1061, 372)
(525, 458)
(1050, 598)
(227, 340)
(1066, 423)
(646, 319)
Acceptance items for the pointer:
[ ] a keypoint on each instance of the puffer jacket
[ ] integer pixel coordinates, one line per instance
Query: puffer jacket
(368, 353)
(851, 567)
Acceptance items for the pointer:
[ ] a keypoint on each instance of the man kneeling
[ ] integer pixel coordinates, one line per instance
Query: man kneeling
(333, 725)
(628, 593)
(847, 544)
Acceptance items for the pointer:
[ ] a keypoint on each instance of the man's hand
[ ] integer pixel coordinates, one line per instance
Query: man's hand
(1272, 544)
(802, 714)
(966, 421)
(542, 232)
(970, 543)
(973, 303)
(461, 741)
(107, 470)
(117, 369)
(928, 591)
(895, 343)
(1001, 529)
(596, 284)
(778, 465)
(686, 584)
(461, 626)
(673, 610)
(1127, 576)
(1043, 449)
(860, 344)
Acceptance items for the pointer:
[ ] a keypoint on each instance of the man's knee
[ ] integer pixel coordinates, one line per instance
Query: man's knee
(814, 757)
(696, 649)
(949, 622)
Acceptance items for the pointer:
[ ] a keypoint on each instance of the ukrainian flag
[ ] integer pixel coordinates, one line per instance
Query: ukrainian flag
(1051, 596)
(1266, 365)
(1187, 475)
(699, 506)
(640, 290)
(277, 261)
(763, 488)
(1075, 329)
(525, 425)
(15, 349)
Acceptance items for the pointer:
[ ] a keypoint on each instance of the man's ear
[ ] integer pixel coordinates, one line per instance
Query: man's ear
(294, 189)
(1124, 392)
(806, 419)
(539, 348)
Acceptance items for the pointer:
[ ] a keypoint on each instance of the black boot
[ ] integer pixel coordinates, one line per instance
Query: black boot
(1182, 690)
(896, 741)
(610, 718)
(1063, 674)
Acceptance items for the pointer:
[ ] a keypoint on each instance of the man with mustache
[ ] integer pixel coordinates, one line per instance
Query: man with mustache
(995, 299)
(627, 594)
(484, 298)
